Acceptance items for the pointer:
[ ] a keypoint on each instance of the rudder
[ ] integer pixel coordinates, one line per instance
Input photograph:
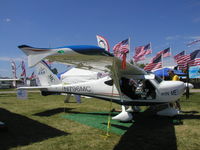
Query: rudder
(45, 75)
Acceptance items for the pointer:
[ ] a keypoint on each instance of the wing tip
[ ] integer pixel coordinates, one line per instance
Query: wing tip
(24, 46)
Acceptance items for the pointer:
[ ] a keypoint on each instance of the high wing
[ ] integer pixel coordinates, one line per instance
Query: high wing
(85, 57)
(81, 56)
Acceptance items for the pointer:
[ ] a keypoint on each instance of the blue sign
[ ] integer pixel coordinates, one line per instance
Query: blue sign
(194, 72)
(22, 94)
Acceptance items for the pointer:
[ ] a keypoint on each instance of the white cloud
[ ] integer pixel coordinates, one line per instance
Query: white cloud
(14, 59)
(196, 20)
(195, 4)
(175, 37)
(7, 20)
(178, 37)
(194, 37)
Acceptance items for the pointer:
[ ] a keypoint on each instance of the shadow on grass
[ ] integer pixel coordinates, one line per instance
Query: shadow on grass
(149, 132)
(187, 116)
(153, 132)
(52, 112)
(70, 111)
(117, 126)
(23, 131)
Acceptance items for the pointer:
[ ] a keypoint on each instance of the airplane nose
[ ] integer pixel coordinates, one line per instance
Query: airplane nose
(182, 87)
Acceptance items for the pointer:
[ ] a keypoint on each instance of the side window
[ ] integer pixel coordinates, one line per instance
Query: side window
(109, 82)
(158, 79)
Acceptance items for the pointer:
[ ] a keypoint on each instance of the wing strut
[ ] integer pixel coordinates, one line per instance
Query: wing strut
(124, 115)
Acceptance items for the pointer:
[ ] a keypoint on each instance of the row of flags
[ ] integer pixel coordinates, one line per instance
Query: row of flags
(156, 61)
(184, 60)
(122, 48)
(14, 70)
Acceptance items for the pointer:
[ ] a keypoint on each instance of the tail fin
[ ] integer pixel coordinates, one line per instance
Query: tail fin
(45, 75)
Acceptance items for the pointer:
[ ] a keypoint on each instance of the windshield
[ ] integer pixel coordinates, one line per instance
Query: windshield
(158, 79)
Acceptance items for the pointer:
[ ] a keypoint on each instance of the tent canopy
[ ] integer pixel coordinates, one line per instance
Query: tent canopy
(164, 71)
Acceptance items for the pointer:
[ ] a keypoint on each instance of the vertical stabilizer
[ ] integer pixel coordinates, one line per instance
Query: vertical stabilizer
(45, 75)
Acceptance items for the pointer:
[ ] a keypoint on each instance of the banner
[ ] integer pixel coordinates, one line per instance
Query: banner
(194, 72)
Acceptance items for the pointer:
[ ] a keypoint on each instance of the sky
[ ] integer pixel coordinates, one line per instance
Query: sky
(55, 23)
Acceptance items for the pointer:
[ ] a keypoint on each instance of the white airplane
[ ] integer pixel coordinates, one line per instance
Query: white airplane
(131, 86)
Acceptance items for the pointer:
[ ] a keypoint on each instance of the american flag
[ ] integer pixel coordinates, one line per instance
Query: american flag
(139, 58)
(155, 64)
(179, 55)
(194, 42)
(194, 58)
(141, 51)
(165, 52)
(23, 74)
(120, 50)
(182, 60)
(13, 66)
(32, 76)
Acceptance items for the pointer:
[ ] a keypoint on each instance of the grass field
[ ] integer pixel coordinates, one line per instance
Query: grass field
(38, 124)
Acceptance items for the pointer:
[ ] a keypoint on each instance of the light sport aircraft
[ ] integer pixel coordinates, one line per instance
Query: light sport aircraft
(131, 86)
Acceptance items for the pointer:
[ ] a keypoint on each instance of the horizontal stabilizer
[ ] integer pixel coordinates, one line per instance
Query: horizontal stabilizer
(10, 79)
(33, 88)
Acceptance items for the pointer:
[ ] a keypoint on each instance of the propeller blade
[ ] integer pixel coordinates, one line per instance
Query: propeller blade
(187, 91)
(187, 85)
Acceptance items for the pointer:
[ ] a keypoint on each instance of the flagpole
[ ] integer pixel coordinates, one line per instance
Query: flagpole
(129, 46)
(151, 49)
(162, 66)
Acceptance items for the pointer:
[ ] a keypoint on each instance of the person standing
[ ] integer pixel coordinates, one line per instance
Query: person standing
(173, 76)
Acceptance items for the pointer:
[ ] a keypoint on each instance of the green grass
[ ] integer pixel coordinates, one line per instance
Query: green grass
(38, 124)
(10, 89)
